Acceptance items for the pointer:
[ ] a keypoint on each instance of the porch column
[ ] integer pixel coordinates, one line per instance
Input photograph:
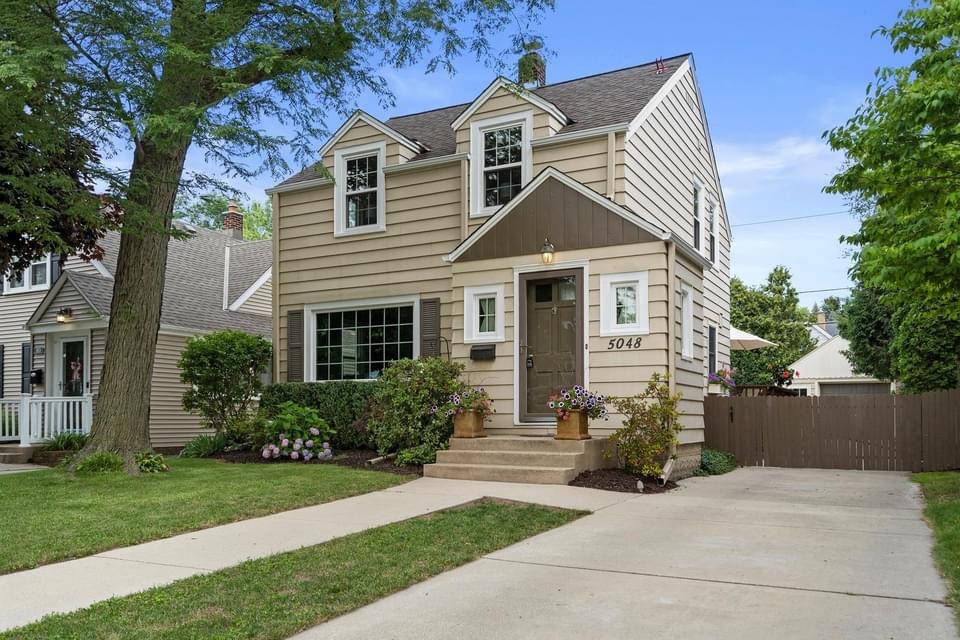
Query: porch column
(87, 412)
(23, 420)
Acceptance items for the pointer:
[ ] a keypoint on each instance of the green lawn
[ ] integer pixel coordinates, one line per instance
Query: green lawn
(942, 492)
(47, 516)
(278, 596)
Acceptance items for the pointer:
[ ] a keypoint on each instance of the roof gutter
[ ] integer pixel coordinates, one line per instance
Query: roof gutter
(574, 136)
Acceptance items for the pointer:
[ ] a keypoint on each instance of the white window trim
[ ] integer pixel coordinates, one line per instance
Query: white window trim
(700, 200)
(310, 327)
(525, 119)
(686, 321)
(608, 301)
(27, 279)
(471, 308)
(340, 157)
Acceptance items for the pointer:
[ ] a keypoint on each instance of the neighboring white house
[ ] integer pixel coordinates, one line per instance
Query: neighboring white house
(826, 371)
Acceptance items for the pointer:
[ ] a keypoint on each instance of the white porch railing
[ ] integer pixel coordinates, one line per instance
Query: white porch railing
(33, 419)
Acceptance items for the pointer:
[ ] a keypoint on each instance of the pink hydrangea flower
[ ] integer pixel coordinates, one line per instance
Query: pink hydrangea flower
(308, 444)
(284, 443)
(266, 454)
(294, 455)
(296, 446)
(314, 431)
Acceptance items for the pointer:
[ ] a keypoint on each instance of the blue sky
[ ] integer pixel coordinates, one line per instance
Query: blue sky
(774, 76)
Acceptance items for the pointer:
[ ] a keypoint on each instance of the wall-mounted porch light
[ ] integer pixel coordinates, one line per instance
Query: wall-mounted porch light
(65, 314)
(546, 251)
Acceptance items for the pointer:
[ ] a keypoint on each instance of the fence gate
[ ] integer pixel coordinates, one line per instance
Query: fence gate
(869, 432)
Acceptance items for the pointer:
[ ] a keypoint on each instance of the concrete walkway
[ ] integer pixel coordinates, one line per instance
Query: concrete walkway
(6, 467)
(758, 553)
(29, 595)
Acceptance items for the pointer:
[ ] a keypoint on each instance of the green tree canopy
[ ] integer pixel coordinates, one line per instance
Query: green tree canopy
(868, 327)
(903, 152)
(771, 311)
(168, 77)
(207, 211)
(47, 166)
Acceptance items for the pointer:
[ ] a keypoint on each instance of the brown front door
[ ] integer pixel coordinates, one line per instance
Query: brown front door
(551, 341)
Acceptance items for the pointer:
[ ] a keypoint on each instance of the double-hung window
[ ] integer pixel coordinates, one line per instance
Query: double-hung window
(686, 321)
(359, 190)
(501, 160)
(483, 314)
(36, 277)
(355, 341)
(623, 304)
(711, 349)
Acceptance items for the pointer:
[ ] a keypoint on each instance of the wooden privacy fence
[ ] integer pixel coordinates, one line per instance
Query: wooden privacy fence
(870, 432)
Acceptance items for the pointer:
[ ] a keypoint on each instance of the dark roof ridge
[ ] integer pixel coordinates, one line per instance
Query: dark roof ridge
(612, 71)
(426, 111)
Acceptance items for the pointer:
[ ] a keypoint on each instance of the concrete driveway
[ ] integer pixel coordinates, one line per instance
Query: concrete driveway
(758, 553)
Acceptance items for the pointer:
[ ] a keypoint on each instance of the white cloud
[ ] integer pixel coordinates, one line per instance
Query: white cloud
(793, 155)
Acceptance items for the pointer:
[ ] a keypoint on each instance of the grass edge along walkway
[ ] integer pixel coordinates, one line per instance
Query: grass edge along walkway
(941, 492)
(51, 516)
(278, 596)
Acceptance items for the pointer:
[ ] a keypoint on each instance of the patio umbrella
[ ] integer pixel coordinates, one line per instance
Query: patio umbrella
(743, 341)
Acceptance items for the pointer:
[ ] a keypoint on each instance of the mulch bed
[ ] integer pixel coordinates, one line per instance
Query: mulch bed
(355, 459)
(619, 480)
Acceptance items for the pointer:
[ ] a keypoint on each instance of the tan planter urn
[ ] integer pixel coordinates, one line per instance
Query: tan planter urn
(575, 427)
(468, 424)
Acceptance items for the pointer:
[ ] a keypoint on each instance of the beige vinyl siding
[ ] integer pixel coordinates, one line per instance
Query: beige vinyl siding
(98, 346)
(501, 103)
(585, 161)
(68, 297)
(360, 134)
(423, 223)
(261, 302)
(688, 372)
(15, 310)
(668, 152)
(616, 372)
(170, 425)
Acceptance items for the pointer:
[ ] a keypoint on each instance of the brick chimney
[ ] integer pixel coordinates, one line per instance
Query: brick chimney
(233, 220)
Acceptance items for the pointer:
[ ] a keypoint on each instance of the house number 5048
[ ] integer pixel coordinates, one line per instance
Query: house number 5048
(620, 343)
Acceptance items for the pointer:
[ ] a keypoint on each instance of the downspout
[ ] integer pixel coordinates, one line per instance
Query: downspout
(275, 283)
(464, 197)
(672, 344)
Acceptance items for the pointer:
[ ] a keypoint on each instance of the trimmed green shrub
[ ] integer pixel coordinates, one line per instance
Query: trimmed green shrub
(223, 372)
(66, 442)
(149, 462)
(403, 418)
(650, 426)
(100, 462)
(715, 463)
(342, 404)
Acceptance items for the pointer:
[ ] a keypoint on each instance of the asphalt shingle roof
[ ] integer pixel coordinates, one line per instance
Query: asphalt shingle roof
(193, 288)
(609, 98)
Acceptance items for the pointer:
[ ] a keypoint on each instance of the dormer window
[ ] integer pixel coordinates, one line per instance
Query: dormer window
(359, 205)
(35, 277)
(501, 160)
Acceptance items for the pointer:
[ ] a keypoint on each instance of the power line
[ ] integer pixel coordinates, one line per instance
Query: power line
(815, 215)
(822, 290)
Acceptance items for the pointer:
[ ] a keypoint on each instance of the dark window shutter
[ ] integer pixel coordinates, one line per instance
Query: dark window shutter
(712, 363)
(713, 248)
(295, 346)
(26, 353)
(430, 328)
(55, 267)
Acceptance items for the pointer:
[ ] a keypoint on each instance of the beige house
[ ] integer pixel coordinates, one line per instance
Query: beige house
(53, 331)
(568, 233)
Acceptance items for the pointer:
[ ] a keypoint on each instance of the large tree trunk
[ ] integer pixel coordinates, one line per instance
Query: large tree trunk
(121, 422)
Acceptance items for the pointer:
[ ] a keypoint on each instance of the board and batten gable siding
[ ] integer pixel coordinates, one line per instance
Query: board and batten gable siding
(261, 302)
(424, 215)
(170, 424)
(611, 372)
(665, 156)
(15, 310)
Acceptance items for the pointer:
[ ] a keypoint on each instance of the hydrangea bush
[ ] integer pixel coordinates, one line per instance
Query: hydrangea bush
(579, 399)
(465, 400)
(297, 433)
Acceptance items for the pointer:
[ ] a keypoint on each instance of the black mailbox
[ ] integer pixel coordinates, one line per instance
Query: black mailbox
(36, 377)
(483, 352)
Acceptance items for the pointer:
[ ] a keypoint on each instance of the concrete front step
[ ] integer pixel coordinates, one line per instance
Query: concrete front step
(501, 473)
(15, 454)
(519, 443)
(512, 458)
